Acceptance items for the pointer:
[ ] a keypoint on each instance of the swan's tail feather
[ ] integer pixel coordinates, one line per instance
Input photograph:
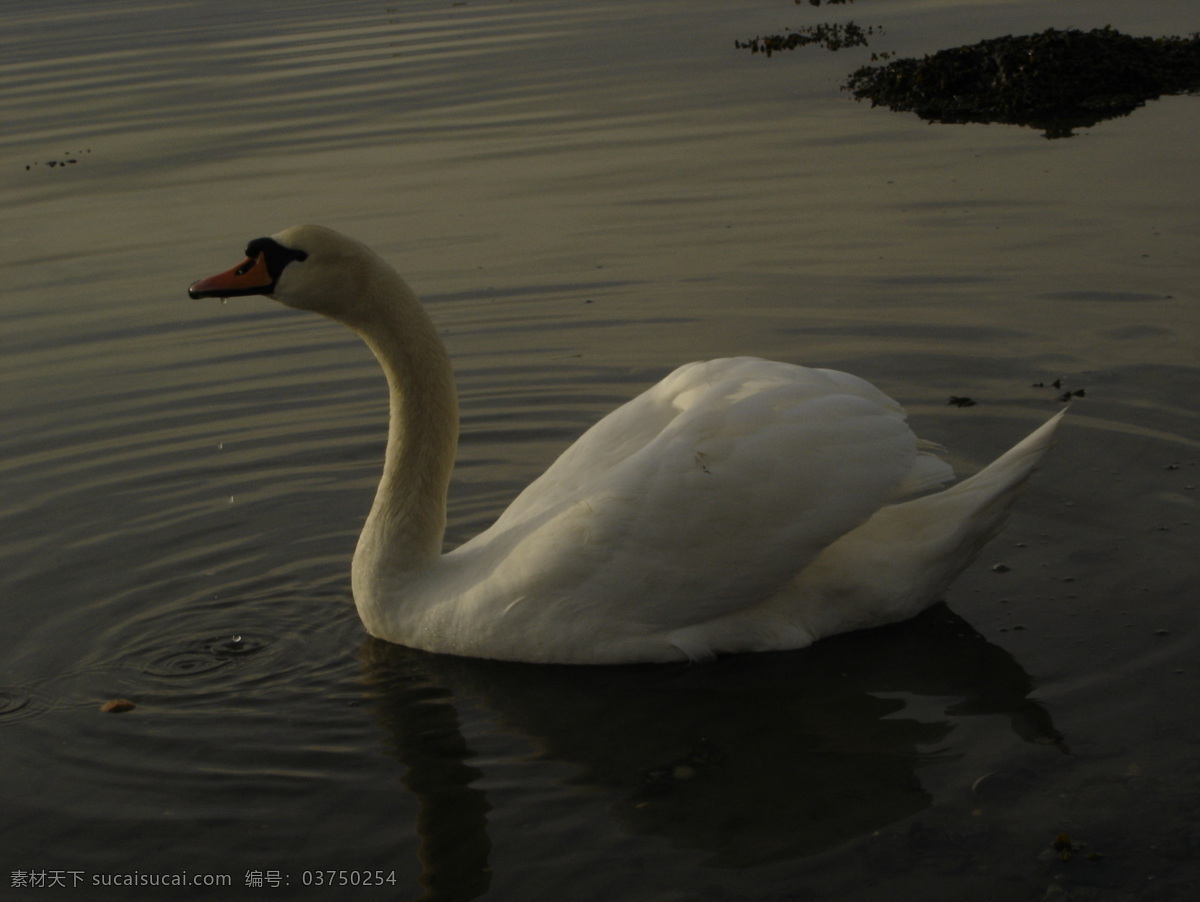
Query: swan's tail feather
(1010, 470)
(902, 559)
(959, 521)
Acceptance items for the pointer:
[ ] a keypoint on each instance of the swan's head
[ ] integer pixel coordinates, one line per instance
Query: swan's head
(308, 267)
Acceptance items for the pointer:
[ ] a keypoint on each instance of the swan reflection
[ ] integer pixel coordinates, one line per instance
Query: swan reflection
(752, 759)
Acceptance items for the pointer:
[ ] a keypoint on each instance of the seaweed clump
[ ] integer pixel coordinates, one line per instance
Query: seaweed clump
(829, 36)
(1056, 80)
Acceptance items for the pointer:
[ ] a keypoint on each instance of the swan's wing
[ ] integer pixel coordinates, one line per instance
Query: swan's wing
(708, 491)
(697, 398)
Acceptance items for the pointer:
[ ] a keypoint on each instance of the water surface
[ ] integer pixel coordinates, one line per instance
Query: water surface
(586, 195)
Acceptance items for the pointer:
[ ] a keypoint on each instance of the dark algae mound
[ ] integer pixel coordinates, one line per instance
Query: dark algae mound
(1056, 81)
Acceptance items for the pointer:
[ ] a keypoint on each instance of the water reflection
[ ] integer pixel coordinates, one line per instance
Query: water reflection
(752, 759)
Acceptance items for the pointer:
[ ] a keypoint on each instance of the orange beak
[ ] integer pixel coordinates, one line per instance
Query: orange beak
(248, 277)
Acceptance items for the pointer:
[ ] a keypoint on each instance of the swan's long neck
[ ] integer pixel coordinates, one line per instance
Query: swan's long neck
(404, 530)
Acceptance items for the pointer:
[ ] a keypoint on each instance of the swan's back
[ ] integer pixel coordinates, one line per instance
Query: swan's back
(701, 497)
(726, 418)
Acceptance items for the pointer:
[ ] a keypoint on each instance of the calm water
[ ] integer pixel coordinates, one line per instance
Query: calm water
(586, 194)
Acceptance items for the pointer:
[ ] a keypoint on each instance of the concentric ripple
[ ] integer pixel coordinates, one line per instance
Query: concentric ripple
(204, 655)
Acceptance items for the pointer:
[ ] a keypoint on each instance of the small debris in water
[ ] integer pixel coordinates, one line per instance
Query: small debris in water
(961, 401)
(1062, 845)
(67, 160)
(117, 706)
(830, 36)
(1000, 568)
(700, 762)
(1065, 396)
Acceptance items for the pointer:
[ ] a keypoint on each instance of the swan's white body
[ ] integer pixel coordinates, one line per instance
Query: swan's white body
(738, 505)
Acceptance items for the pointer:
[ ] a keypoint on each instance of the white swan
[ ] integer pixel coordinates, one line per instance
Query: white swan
(738, 505)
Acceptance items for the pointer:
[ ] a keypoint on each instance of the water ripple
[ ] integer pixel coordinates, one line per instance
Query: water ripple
(18, 703)
(204, 655)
